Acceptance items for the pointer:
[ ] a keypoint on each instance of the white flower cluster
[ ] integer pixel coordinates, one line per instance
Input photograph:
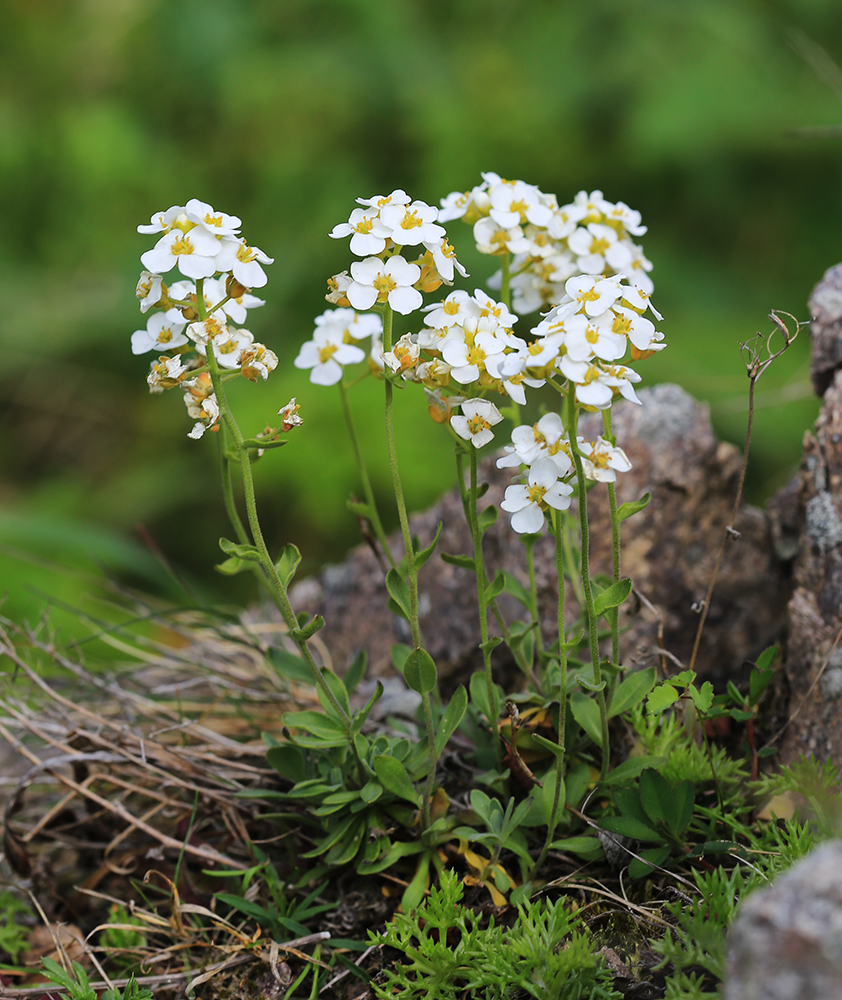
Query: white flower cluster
(380, 229)
(204, 246)
(334, 344)
(550, 243)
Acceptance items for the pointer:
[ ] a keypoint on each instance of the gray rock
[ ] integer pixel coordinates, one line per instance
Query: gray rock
(786, 943)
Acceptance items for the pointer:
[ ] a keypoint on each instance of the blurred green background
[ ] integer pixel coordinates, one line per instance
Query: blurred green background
(283, 113)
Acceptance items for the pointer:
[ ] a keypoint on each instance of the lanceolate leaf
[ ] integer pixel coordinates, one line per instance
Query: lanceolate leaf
(394, 778)
(398, 591)
(632, 507)
(419, 671)
(452, 717)
(586, 713)
(613, 596)
(422, 556)
(287, 563)
(632, 690)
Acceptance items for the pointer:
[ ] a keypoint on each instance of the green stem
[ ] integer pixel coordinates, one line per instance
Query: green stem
(505, 291)
(374, 518)
(493, 700)
(470, 518)
(412, 570)
(575, 581)
(590, 614)
(615, 563)
(552, 819)
(228, 490)
(276, 585)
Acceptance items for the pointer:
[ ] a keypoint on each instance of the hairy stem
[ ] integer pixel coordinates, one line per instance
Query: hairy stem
(590, 614)
(614, 614)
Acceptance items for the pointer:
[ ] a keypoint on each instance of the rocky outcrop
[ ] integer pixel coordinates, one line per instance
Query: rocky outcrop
(669, 550)
(786, 943)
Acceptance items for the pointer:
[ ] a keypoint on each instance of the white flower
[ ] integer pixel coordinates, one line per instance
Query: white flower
(409, 225)
(488, 307)
(544, 439)
(597, 246)
(594, 337)
(194, 252)
(200, 333)
(404, 355)
(205, 411)
(325, 354)
(627, 217)
(228, 345)
(594, 294)
(602, 461)
(161, 334)
(491, 238)
(397, 197)
(468, 361)
(244, 262)
(257, 361)
(289, 415)
(163, 222)
(217, 223)
(338, 286)
(369, 233)
(475, 423)
(638, 298)
(590, 380)
(165, 373)
(352, 324)
(526, 503)
(444, 258)
(454, 205)
(149, 290)
(454, 309)
(514, 203)
(389, 281)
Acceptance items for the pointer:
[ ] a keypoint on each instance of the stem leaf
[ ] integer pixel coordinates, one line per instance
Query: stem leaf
(613, 596)
(422, 556)
(451, 718)
(247, 552)
(394, 777)
(399, 592)
(233, 565)
(626, 510)
(466, 562)
(632, 767)
(486, 518)
(306, 631)
(554, 748)
(419, 671)
(287, 563)
(586, 712)
(339, 692)
(496, 587)
(516, 589)
(632, 691)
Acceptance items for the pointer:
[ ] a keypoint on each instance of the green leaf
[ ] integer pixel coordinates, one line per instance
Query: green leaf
(632, 507)
(661, 698)
(577, 845)
(741, 715)
(628, 826)
(333, 837)
(703, 697)
(631, 768)
(315, 723)
(466, 562)
(586, 712)
(517, 590)
(355, 673)
(486, 518)
(233, 566)
(632, 690)
(414, 892)
(402, 849)
(496, 587)
(766, 658)
(656, 797)
(398, 591)
(657, 855)
(394, 778)
(588, 685)
(451, 718)
(337, 689)
(553, 748)
(760, 678)
(371, 791)
(305, 632)
(346, 849)
(613, 596)
(479, 695)
(734, 694)
(288, 761)
(422, 556)
(359, 719)
(247, 552)
(683, 799)
(398, 653)
(419, 671)
(548, 794)
(491, 644)
(360, 509)
(289, 665)
(287, 563)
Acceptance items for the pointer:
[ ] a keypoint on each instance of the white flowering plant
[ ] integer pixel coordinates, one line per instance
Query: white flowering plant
(580, 265)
